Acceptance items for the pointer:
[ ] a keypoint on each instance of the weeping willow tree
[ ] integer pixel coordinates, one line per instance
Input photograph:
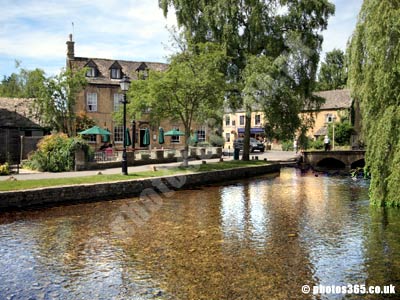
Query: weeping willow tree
(375, 82)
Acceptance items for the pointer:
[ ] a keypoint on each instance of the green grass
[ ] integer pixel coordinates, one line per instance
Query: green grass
(39, 183)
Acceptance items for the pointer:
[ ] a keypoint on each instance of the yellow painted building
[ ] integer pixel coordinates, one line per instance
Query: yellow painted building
(101, 98)
(338, 105)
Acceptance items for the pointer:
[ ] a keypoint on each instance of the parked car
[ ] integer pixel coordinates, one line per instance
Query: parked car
(254, 144)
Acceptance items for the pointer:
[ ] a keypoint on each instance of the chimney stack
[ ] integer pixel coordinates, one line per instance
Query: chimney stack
(70, 48)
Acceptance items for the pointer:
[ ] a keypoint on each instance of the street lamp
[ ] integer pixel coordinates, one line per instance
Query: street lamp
(124, 83)
(333, 133)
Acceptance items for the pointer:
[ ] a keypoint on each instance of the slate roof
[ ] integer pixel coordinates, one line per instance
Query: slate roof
(335, 99)
(103, 65)
(15, 113)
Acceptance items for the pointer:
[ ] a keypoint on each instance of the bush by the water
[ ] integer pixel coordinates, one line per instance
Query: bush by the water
(5, 169)
(56, 153)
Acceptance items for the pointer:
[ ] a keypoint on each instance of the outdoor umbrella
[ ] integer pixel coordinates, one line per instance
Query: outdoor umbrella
(161, 136)
(174, 132)
(95, 130)
(146, 137)
(128, 138)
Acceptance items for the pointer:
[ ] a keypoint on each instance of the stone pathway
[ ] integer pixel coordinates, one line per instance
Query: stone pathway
(28, 174)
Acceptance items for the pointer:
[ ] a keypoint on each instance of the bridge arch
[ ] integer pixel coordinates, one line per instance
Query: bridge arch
(358, 164)
(331, 163)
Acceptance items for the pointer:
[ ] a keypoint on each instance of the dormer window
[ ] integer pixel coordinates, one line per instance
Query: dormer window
(143, 71)
(92, 70)
(115, 71)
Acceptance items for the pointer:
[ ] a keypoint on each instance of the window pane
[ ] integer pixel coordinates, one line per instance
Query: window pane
(91, 102)
(241, 120)
(175, 138)
(201, 135)
(227, 137)
(227, 120)
(115, 73)
(117, 101)
(118, 134)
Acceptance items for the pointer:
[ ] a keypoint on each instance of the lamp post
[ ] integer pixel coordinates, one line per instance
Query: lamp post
(333, 132)
(124, 83)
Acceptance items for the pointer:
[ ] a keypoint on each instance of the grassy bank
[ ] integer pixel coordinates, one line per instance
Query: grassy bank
(39, 183)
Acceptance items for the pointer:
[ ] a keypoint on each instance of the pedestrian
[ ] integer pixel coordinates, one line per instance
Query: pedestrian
(295, 145)
(327, 142)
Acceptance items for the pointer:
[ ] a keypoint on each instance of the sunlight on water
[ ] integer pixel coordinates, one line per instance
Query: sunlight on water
(261, 238)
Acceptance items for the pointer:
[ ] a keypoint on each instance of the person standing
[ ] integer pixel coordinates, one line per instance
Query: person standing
(295, 145)
(327, 142)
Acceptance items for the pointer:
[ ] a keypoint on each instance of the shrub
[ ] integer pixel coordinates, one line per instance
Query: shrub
(217, 141)
(287, 146)
(56, 153)
(5, 169)
(318, 144)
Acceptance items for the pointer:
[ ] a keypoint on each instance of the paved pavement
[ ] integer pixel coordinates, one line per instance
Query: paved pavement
(28, 174)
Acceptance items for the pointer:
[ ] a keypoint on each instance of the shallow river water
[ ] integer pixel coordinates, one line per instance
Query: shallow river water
(261, 238)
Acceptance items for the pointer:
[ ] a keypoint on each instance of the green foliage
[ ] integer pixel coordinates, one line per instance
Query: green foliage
(83, 121)
(343, 132)
(317, 144)
(192, 89)
(333, 71)
(287, 145)
(247, 29)
(5, 169)
(54, 106)
(25, 84)
(56, 153)
(374, 80)
(216, 140)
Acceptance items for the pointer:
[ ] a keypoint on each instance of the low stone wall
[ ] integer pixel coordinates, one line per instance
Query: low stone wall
(123, 189)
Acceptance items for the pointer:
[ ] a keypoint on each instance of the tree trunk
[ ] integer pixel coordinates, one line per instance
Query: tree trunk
(246, 140)
(185, 161)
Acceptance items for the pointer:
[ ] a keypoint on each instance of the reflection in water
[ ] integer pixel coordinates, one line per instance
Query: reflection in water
(256, 239)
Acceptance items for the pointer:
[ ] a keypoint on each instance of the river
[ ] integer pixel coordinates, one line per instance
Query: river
(261, 238)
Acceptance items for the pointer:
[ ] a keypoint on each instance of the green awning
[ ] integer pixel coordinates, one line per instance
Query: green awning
(95, 130)
(174, 132)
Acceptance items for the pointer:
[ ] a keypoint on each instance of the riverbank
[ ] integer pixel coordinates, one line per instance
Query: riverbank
(126, 188)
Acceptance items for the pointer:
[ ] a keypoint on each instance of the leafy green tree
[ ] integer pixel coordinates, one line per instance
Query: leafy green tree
(253, 28)
(343, 132)
(374, 81)
(10, 87)
(24, 84)
(191, 89)
(333, 72)
(54, 105)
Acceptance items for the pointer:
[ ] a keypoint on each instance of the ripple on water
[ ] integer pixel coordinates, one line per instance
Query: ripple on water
(254, 239)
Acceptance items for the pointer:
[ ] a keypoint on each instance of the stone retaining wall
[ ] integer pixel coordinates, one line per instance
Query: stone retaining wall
(123, 189)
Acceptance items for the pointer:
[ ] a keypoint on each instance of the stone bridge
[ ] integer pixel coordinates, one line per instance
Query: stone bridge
(334, 160)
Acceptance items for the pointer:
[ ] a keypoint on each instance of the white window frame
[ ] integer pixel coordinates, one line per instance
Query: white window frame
(227, 120)
(257, 122)
(92, 138)
(115, 73)
(91, 72)
(227, 137)
(201, 134)
(118, 98)
(241, 118)
(118, 134)
(91, 102)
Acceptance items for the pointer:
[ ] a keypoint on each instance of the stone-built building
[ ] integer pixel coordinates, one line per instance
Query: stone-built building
(102, 96)
(337, 106)
(19, 132)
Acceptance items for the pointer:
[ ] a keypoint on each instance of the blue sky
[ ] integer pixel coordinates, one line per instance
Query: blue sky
(35, 31)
